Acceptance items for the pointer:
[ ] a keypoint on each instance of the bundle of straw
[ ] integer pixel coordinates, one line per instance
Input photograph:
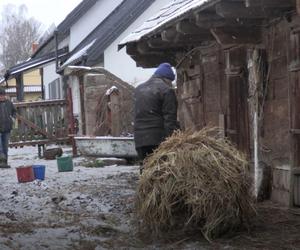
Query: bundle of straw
(195, 180)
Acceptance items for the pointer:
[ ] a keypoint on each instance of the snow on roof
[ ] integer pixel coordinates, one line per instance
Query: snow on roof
(111, 90)
(78, 54)
(73, 69)
(172, 11)
(30, 66)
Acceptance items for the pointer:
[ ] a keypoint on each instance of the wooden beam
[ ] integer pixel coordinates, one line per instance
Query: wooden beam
(20, 87)
(235, 61)
(237, 35)
(143, 48)
(33, 126)
(207, 17)
(157, 43)
(239, 10)
(170, 35)
(131, 48)
(186, 27)
(150, 61)
(298, 6)
(204, 20)
(270, 3)
(218, 21)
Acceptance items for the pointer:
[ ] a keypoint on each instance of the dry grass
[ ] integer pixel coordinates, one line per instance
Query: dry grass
(195, 180)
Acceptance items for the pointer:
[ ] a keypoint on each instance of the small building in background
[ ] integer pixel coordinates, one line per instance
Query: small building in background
(32, 87)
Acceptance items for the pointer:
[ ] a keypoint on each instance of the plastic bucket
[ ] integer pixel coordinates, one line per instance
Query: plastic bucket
(64, 163)
(25, 174)
(39, 171)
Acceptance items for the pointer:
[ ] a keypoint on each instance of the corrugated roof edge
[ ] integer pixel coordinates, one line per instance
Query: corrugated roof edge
(34, 62)
(201, 7)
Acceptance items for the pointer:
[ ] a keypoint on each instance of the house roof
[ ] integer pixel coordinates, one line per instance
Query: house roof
(45, 53)
(63, 28)
(34, 63)
(184, 25)
(75, 15)
(108, 30)
(172, 12)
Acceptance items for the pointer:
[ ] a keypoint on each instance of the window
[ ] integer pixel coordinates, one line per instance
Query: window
(55, 89)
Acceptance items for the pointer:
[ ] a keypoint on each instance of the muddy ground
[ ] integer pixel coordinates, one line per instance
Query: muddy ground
(93, 208)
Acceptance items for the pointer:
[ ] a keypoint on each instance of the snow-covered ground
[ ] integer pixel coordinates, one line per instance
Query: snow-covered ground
(82, 209)
(93, 209)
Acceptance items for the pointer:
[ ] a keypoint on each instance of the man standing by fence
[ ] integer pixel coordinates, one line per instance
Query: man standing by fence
(7, 113)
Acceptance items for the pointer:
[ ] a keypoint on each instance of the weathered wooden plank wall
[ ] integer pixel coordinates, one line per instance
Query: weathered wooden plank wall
(274, 136)
(213, 85)
(200, 88)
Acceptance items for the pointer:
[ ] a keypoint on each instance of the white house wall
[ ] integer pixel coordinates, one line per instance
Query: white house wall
(121, 64)
(49, 74)
(64, 43)
(75, 89)
(90, 20)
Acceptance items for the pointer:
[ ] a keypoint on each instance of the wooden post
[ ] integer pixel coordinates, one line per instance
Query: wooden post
(298, 6)
(238, 120)
(115, 113)
(20, 87)
(82, 104)
(71, 120)
(42, 83)
(222, 125)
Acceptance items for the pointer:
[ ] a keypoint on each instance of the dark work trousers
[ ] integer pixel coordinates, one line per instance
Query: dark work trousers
(4, 138)
(143, 152)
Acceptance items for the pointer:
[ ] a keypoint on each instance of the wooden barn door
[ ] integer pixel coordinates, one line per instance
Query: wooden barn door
(294, 100)
(190, 89)
(237, 85)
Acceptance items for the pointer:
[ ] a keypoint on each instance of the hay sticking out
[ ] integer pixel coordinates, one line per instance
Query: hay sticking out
(195, 180)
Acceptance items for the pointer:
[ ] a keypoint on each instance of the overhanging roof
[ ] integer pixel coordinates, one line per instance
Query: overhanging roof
(170, 13)
(107, 31)
(63, 28)
(184, 25)
(34, 63)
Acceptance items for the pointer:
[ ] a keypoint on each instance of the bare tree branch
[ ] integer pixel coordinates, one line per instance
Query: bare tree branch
(17, 35)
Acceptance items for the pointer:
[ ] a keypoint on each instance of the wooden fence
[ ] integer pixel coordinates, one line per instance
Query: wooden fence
(40, 123)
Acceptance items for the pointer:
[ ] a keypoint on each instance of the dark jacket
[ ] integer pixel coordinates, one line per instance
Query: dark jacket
(155, 112)
(7, 111)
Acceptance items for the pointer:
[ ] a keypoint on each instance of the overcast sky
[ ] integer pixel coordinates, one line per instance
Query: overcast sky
(46, 11)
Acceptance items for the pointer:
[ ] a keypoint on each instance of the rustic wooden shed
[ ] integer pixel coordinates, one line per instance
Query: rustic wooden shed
(238, 67)
(102, 103)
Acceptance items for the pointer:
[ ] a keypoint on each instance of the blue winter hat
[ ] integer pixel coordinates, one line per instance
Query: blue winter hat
(165, 70)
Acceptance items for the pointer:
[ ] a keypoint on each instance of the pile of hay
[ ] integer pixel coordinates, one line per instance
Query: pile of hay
(195, 180)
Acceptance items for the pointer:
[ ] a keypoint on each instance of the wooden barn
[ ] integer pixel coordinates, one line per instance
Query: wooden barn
(238, 67)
